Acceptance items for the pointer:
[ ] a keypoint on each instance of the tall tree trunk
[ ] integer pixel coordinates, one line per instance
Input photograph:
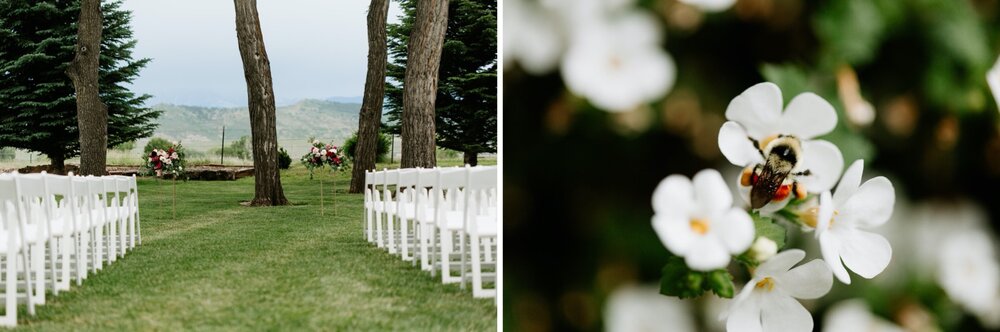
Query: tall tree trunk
(420, 83)
(57, 164)
(91, 113)
(260, 100)
(471, 158)
(371, 107)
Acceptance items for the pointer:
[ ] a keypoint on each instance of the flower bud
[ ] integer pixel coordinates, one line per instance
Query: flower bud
(762, 249)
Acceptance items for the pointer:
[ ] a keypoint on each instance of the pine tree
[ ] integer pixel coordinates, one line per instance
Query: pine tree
(37, 102)
(466, 99)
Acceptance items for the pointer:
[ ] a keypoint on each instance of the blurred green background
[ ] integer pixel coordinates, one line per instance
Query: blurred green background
(578, 180)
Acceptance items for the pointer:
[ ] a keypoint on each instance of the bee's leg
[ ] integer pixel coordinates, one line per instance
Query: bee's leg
(756, 145)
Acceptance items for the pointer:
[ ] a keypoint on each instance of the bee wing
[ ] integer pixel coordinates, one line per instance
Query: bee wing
(767, 185)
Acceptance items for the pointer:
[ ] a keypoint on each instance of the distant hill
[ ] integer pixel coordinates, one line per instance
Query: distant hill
(200, 128)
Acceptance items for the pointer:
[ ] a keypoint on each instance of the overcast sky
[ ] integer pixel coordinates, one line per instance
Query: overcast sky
(318, 49)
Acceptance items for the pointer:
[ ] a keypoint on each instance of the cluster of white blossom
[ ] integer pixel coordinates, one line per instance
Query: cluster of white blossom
(787, 174)
(608, 51)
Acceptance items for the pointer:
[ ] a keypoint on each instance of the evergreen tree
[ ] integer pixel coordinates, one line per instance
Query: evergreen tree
(37, 102)
(466, 104)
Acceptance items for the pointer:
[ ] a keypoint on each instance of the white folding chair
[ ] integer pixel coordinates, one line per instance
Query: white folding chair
(12, 245)
(64, 215)
(126, 212)
(84, 229)
(135, 228)
(406, 208)
(424, 232)
(33, 220)
(369, 206)
(480, 223)
(448, 219)
(98, 220)
(389, 205)
(113, 214)
(378, 207)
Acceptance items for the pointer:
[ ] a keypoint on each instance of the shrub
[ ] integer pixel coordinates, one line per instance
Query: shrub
(7, 153)
(126, 147)
(284, 161)
(237, 149)
(382, 151)
(156, 143)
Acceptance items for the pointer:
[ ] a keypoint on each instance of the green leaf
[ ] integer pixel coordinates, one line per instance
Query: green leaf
(678, 280)
(721, 283)
(766, 227)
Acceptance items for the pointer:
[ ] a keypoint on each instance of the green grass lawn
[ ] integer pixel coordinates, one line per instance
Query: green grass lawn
(222, 266)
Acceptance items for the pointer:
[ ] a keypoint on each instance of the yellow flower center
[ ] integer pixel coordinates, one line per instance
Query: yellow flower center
(767, 283)
(811, 217)
(699, 226)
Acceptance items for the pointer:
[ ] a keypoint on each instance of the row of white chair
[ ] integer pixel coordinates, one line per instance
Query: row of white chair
(448, 215)
(55, 228)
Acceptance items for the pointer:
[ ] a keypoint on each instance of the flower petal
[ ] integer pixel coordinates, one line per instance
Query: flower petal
(824, 161)
(849, 183)
(675, 233)
(711, 193)
(706, 253)
(807, 281)
(808, 116)
(674, 196)
(872, 205)
(826, 210)
(783, 313)
(735, 145)
(735, 229)
(829, 246)
(867, 254)
(758, 109)
(744, 316)
(780, 263)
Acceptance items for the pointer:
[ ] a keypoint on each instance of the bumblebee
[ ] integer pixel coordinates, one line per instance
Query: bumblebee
(772, 180)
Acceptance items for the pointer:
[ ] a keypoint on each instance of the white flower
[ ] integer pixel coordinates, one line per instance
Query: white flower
(697, 220)
(767, 302)
(993, 79)
(710, 5)
(968, 270)
(616, 61)
(531, 37)
(643, 308)
(168, 161)
(180, 168)
(174, 156)
(842, 218)
(854, 316)
(757, 114)
(763, 249)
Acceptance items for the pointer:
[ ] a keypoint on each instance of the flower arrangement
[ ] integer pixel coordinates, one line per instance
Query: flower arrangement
(789, 175)
(321, 155)
(169, 161)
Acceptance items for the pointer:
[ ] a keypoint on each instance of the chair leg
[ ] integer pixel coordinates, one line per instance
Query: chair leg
(25, 259)
(391, 241)
(404, 241)
(81, 256)
(461, 250)
(54, 255)
(378, 230)
(10, 278)
(477, 268)
(65, 248)
(38, 265)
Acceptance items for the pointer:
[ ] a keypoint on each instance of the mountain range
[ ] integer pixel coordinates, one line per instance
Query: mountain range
(200, 128)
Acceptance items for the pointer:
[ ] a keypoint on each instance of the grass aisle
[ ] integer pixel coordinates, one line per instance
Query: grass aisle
(221, 266)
